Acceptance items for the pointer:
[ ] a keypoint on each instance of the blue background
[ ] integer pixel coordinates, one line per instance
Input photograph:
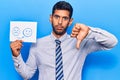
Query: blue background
(105, 14)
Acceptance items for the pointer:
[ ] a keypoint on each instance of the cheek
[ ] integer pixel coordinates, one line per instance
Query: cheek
(54, 23)
(65, 24)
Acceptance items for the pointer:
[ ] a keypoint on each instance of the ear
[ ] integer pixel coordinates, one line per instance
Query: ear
(71, 20)
(50, 18)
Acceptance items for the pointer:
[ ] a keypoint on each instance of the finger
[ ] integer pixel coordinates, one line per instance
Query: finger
(76, 28)
(16, 49)
(80, 37)
(18, 41)
(73, 35)
(16, 45)
(78, 44)
(74, 32)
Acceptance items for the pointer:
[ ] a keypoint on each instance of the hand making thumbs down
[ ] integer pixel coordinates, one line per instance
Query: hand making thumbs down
(79, 31)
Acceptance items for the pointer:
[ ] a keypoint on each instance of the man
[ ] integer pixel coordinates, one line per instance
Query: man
(60, 56)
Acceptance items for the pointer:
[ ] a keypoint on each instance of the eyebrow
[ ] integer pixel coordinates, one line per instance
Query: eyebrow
(62, 16)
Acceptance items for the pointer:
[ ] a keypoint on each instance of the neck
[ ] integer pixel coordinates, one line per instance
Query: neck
(57, 36)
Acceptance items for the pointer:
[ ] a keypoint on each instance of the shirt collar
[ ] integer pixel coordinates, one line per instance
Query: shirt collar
(62, 38)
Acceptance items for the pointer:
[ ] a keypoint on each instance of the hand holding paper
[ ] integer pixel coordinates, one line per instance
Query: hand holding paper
(16, 47)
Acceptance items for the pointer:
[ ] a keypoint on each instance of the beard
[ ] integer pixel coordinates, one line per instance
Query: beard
(59, 29)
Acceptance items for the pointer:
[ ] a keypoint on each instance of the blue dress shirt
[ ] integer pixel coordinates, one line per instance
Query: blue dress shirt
(42, 55)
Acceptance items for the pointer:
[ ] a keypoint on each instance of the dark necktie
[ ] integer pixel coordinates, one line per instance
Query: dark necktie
(59, 63)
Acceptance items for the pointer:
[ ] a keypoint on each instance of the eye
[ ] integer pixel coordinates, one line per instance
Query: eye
(65, 18)
(56, 16)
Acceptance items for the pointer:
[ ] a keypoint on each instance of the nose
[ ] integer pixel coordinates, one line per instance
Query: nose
(60, 21)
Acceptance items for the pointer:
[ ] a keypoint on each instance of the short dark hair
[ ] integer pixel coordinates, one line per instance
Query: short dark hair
(63, 5)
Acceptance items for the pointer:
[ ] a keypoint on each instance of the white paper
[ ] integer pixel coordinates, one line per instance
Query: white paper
(21, 30)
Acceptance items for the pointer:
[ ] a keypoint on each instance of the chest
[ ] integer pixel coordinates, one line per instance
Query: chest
(46, 55)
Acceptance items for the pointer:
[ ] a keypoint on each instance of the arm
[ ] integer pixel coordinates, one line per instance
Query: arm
(97, 39)
(26, 70)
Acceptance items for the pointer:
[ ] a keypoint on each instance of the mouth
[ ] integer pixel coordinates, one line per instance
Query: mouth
(59, 28)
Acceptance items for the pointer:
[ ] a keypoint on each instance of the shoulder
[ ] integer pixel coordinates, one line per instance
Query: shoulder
(41, 41)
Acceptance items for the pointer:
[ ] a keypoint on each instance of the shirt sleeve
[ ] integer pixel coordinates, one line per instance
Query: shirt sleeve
(98, 39)
(26, 70)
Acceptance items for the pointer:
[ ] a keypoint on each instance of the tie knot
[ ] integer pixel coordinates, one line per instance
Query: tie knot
(57, 41)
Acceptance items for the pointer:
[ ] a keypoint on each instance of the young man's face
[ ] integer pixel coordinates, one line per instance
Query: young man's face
(60, 20)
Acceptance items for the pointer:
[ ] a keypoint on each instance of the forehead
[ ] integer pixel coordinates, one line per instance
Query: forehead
(62, 13)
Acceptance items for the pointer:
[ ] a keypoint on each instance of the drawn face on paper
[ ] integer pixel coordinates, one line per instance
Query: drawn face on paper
(27, 32)
(16, 31)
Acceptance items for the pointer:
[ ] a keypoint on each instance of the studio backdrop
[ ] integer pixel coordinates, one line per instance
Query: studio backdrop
(105, 14)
